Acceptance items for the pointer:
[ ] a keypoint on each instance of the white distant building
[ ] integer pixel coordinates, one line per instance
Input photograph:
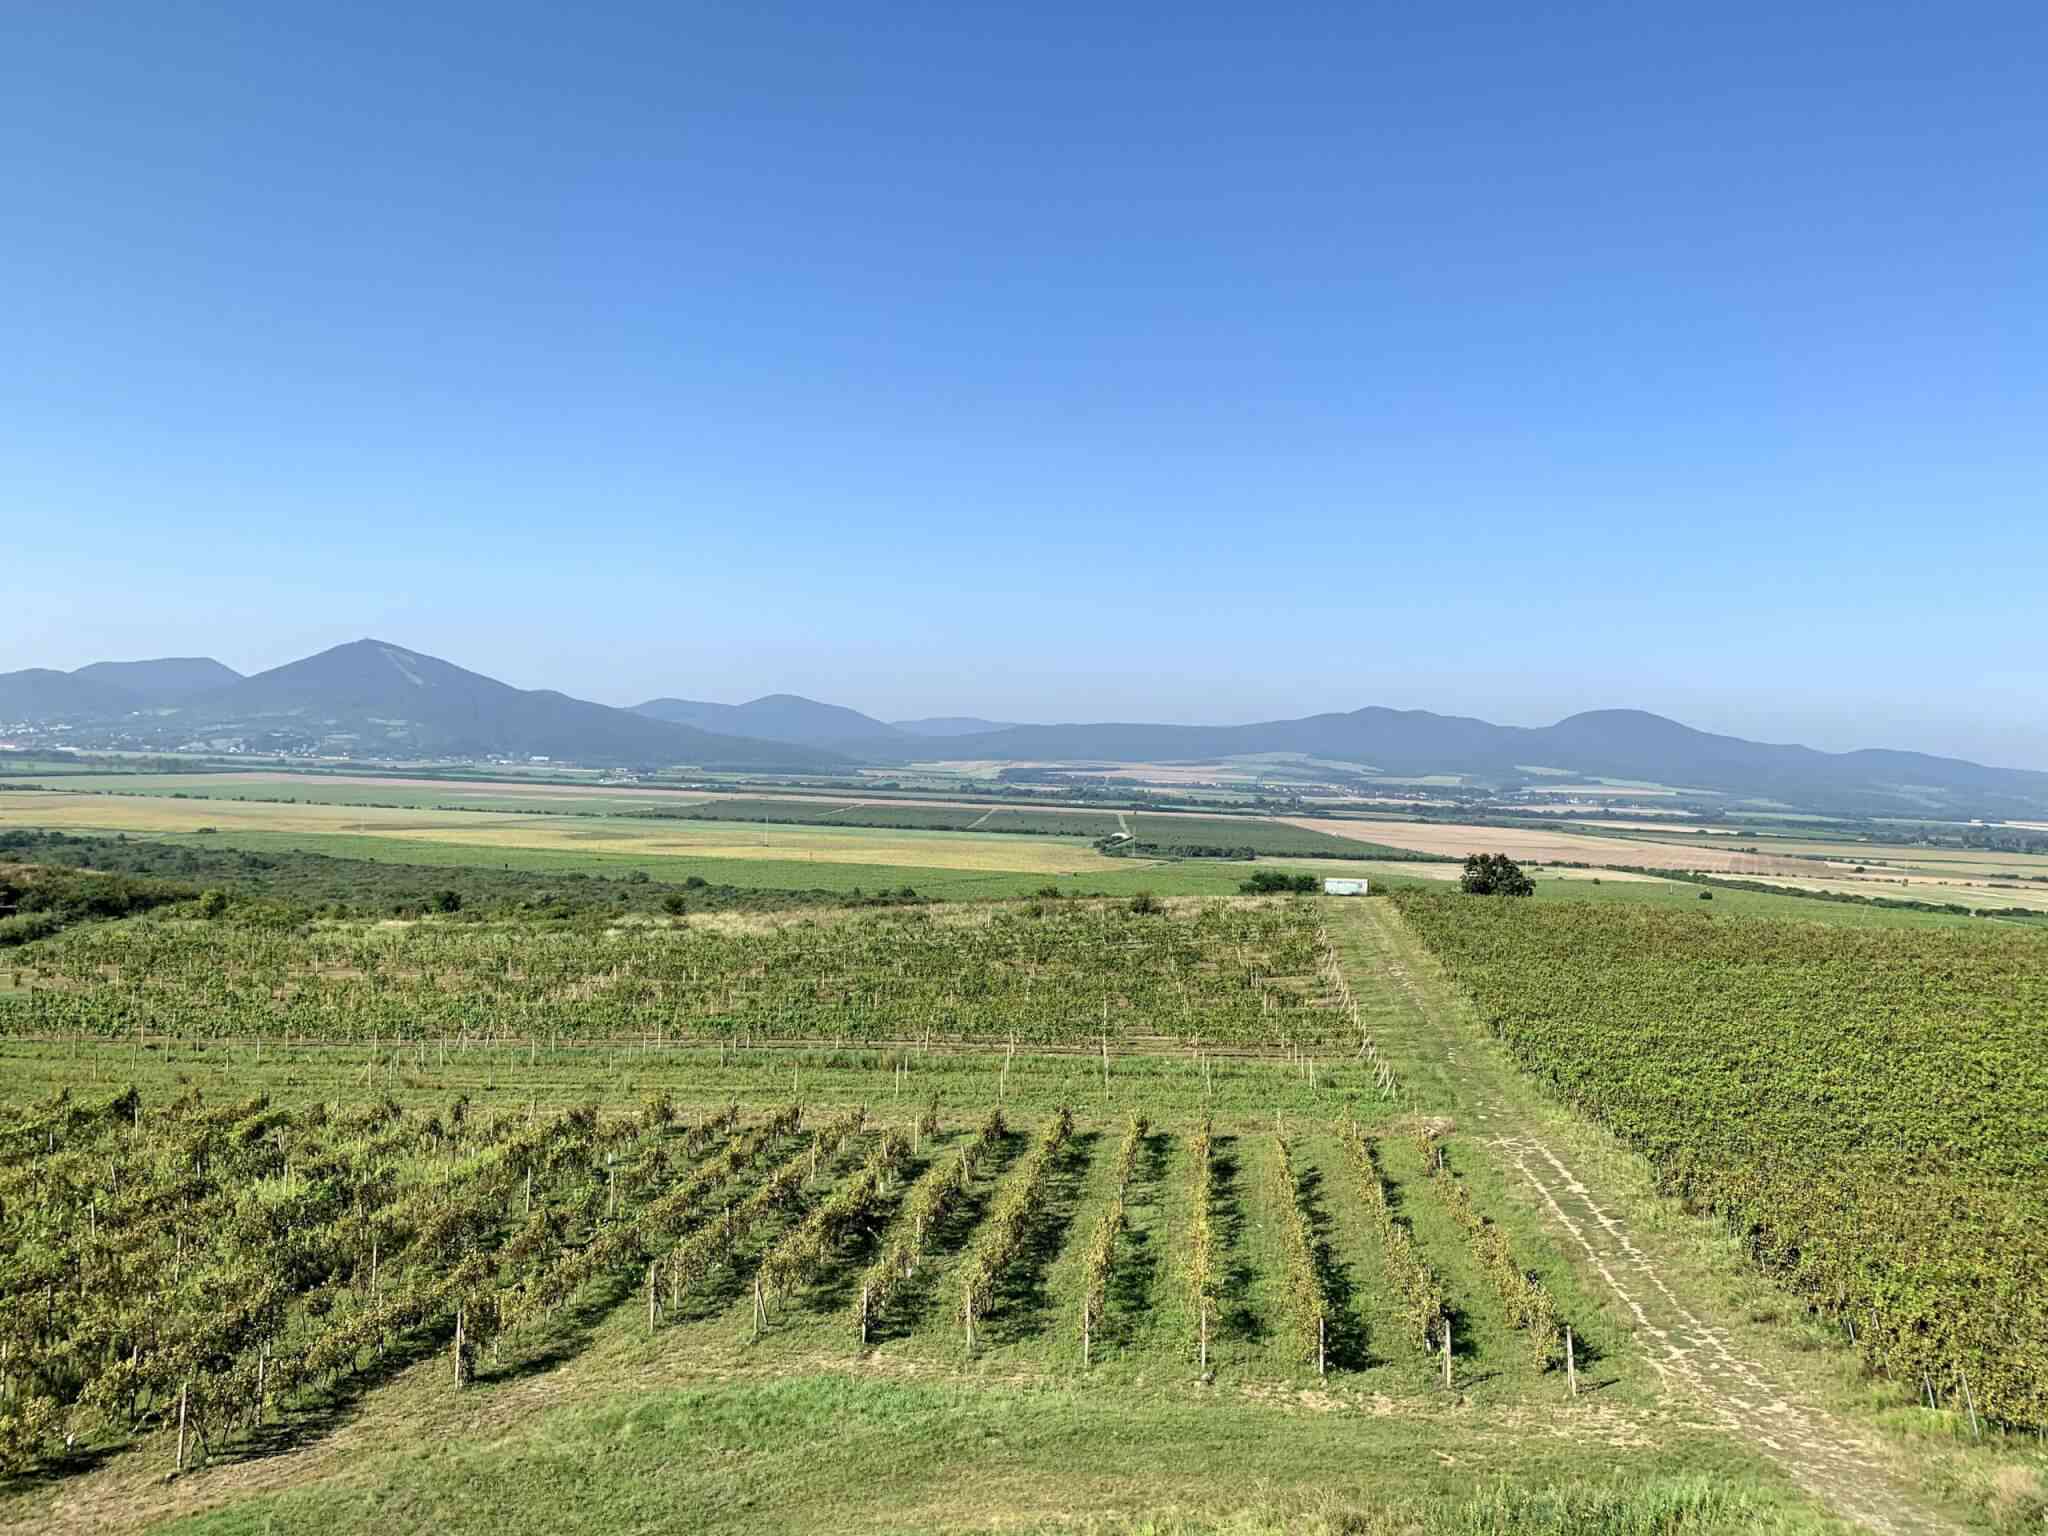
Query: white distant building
(1344, 887)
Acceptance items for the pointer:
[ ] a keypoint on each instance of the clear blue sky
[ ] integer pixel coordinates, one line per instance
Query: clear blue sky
(1046, 361)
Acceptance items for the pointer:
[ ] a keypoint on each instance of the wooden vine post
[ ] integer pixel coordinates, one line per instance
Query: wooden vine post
(1447, 1354)
(184, 1397)
(1571, 1360)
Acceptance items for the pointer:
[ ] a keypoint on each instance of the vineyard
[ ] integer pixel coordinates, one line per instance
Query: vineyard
(1867, 1109)
(1039, 973)
(180, 1273)
(257, 1179)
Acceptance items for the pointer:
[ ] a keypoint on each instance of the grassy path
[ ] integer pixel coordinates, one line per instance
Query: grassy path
(1588, 1211)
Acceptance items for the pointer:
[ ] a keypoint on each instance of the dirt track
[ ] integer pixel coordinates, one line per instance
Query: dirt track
(1693, 1353)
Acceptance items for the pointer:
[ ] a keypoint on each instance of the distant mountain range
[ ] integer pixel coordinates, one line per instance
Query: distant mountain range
(950, 725)
(373, 699)
(1625, 744)
(170, 677)
(783, 717)
(370, 698)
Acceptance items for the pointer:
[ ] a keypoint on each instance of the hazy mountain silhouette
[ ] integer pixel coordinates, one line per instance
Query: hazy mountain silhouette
(779, 717)
(166, 678)
(371, 696)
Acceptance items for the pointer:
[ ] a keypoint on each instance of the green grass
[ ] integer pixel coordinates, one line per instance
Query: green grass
(850, 1453)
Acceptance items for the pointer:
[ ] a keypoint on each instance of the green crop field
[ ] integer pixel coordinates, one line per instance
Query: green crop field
(1182, 836)
(741, 1219)
(1044, 973)
(805, 811)
(1867, 1109)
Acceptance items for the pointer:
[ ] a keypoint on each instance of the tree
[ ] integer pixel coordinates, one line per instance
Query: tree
(1494, 874)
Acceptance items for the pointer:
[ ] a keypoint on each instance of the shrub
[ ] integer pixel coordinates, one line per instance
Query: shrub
(27, 927)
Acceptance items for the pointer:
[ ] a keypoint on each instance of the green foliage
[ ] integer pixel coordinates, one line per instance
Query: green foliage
(1223, 972)
(1423, 1302)
(27, 927)
(241, 1251)
(1100, 1256)
(1308, 1299)
(936, 1194)
(802, 1253)
(1203, 1263)
(1866, 1108)
(303, 884)
(1529, 1305)
(1494, 874)
(1271, 882)
(37, 902)
(1009, 1223)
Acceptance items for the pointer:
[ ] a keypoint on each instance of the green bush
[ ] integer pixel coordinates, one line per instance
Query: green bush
(26, 927)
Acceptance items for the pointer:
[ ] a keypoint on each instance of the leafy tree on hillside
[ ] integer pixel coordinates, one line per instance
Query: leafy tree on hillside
(1494, 874)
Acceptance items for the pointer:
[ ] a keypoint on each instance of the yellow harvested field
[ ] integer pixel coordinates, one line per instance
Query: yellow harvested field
(698, 839)
(1974, 861)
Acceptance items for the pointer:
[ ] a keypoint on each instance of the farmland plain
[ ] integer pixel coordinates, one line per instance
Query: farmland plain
(608, 1415)
(602, 831)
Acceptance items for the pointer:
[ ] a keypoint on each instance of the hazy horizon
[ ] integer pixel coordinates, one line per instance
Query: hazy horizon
(1172, 364)
(1793, 732)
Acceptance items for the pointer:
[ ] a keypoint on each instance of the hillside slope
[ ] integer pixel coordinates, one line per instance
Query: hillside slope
(165, 678)
(39, 693)
(786, 717)
(372, 696)
(1613, 744)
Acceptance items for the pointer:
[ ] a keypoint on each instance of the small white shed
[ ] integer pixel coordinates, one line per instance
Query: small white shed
(1344, 887)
